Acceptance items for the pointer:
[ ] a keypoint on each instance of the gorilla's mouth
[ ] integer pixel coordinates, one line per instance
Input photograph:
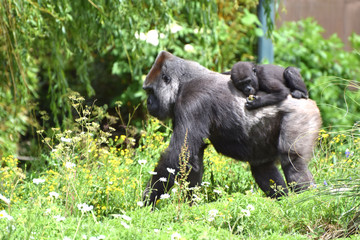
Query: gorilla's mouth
(153, 104)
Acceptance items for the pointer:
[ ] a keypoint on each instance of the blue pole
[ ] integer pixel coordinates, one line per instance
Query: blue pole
(265, 46)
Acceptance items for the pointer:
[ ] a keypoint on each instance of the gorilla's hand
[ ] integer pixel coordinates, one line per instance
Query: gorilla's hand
(253, 103)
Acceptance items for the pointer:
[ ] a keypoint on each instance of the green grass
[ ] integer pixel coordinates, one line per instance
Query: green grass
(85, 166)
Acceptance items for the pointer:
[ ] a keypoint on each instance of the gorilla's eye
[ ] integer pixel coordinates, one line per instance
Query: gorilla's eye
(254, 69)
(166, 78)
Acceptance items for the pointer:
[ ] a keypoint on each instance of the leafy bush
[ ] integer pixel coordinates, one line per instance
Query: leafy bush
(328, 70)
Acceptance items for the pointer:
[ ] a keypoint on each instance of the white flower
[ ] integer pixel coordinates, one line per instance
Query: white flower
(217, 191)
(125, 225)
(83, 207)
(140, 36)
(153, 173)
(84, 236)
(156, 230)
(54, 194)
(246, 212)
(171, 170)
(250, 207)
(174, 190)
(164, 196)
(93, 238)
(70, 165)
(59, 218)
(174, 28)
(189, 48)
(206, 184)
(127, 218)
(212, 214)
(101, 237)
(175, 236)
(66, 238)
(3, 214)
(142, 162)
(67, 140)
(47, 211)
(140, 204)
(38, 180)
(6, 200)
(162, 179)
(196, 198)
(152, 37)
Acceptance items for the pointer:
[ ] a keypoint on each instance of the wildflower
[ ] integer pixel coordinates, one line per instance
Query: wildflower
(101, 237)
(125, 225)
(59, 218)
(174, 28)
(153, 173)
(325, 183)
(217, 191)
(140, 204)
(142, 162)
(6, 200)
(196, 198)
(171, 170)
(47, 211)
(246, 212)
(70, 165)
(189, 48)
(175, 236)
(93, 238)
(212, 214)
(84, 207)
(156, 230)
(84, 236)
(205, 184)
(127, 218)
(3, 214)
(152, 37)
(250, 207)
(38, 181)
(66, 238)
(348, 153)
(66, 140)
(164, 196)
(162, 179)
(54, 194)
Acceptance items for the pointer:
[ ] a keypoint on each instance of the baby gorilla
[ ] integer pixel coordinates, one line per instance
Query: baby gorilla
(274, 80)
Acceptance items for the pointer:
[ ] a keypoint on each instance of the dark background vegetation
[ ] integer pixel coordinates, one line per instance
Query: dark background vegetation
(103, 50)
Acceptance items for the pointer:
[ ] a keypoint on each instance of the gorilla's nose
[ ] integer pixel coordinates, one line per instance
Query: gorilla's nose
(148, 89)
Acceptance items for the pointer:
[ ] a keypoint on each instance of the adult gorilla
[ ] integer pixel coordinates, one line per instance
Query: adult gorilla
(205, 104)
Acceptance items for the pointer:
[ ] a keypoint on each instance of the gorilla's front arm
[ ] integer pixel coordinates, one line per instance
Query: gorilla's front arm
(192, 125)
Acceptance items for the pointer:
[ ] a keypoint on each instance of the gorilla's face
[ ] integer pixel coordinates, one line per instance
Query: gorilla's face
(243, 75)
(162, 85)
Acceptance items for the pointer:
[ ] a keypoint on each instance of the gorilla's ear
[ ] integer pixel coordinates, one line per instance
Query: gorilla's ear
(156, 68)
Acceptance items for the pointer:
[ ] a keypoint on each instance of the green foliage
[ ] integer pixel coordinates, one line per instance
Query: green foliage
(103, 50)
(328, 70)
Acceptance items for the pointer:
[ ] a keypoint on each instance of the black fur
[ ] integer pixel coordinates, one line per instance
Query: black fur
(204, 104)
(274, 80)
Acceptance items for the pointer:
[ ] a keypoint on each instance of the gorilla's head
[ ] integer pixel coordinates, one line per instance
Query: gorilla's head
(164, 80)
(243, 75)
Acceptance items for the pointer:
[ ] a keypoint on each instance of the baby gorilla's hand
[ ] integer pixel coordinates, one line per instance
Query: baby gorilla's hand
(252, 102)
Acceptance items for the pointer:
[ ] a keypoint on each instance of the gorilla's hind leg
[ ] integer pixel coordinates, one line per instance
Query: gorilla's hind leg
(269, 179)
(296, 171)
